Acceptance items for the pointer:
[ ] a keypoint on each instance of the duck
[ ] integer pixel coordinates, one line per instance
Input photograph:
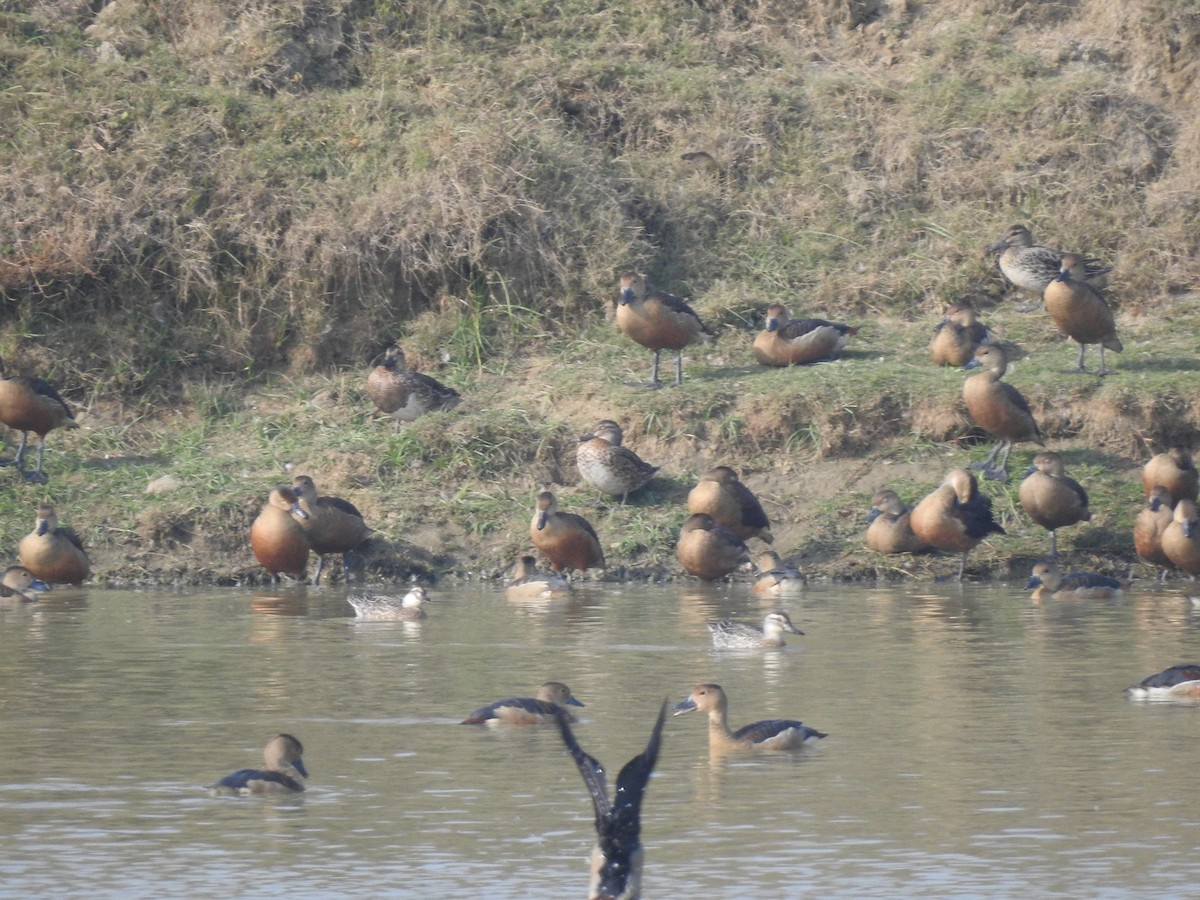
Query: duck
(1180, 682)
(53, 554)
(769, 734)
(18, 584)
(1030, 267)
(1052, 499)
(957, 335)
(721, 494)
(708, 550)
(889, 525)
(730, 635)
(385, 608)
(31, 404)
(1181, 539)
(1081, 312)
(776, 578)
(282, 775)
(999, 409)
(528, 583)
(1174, 471)
(798, 342)
(332, 525)
(568, 541)
(405, 395)
(955, 516)
(608, 466)
(551, 696)
(278, 542)
(1047, 582)
(617, 856)
(658, 321)
(1149, 526)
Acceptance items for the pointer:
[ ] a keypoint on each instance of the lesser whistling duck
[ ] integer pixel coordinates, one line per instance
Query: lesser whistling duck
(528, 583)
(568, 541)
(999, 409)
(1174, 471)
(769, 734)
(658, 321)
(955, 516)
(1052, 499)
(1081, 312)
(1047, 582)
(31, 404)
(776, 578)
(18, 585)
(797, 342)
(708, 550)
(551, 696)
(1181, 539)
(957, 335)
(53, 554)
(720, 494)
(1149, 526)
(332, 525)
(889, 526)
(278, 542)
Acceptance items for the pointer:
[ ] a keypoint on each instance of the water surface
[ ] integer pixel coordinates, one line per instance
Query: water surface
(979, 744)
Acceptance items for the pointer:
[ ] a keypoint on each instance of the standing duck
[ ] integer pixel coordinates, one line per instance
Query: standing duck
(332, 525)
(53, 554)
(1080, 311)
(658, 321)
(999, 409)
(569, 541)
(1052, 499)
(608, 466)
(406, 395)
(798, 342)
(617, 855)
(31, 404)
(955, 517)
(278, 542)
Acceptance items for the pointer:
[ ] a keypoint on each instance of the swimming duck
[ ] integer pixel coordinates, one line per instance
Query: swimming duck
(1176, 683)
(31, 404)
(1181, 539)
(1031, 266)
(957, 335)
(384, 608)
(1047, 582)
(17, 584)
(730, 635)
(1149, 526)
(1174, 471)
(404, 395)
(720, 494)
(658, 321)
(569, 541)
(609, 467)
(331, 524)
(1052, 499)
(769, 734)
(617, 856)
(278, 542)
(889, 525)
(999, 409)
(776, 578)
(955, 516)
(708, 550)
(797, 342)
(1081, 312)
(530, 584)
(282, 756)
(53, 554)
(527, 710)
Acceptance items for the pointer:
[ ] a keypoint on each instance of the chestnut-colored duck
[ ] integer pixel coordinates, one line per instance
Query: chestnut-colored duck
(955, 517)
(658, 321)
(1081, 312)
(999, 409)
(1052, 499)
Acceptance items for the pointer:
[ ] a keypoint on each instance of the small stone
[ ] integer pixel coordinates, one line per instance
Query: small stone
(164, 484)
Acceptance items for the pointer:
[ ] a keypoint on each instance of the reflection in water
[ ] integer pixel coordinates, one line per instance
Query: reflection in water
(978, 744)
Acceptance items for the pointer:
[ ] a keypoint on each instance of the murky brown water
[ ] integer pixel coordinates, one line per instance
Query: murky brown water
(979, 745)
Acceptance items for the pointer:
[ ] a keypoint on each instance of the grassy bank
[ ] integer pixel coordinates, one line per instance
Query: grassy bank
(213, 219)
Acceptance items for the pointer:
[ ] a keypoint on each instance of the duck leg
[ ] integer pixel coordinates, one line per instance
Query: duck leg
(678, 368)
(320, 568)
(19, 459)
(654, 382)
(36, 475)
(1102, 371)
(1079, 362)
